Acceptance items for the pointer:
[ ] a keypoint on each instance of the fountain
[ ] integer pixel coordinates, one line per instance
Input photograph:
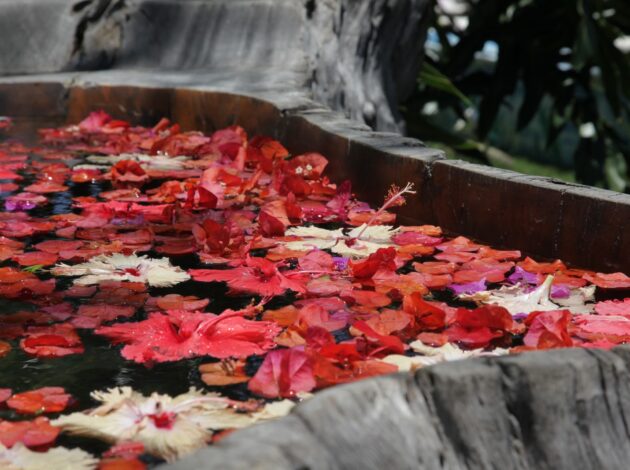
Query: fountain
(271, 67)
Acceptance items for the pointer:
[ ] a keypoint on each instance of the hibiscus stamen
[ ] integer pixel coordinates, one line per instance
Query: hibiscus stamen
(132, 271)
(395, 197)
(164, 420)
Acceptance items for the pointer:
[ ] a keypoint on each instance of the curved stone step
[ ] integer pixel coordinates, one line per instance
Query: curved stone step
(360, 57)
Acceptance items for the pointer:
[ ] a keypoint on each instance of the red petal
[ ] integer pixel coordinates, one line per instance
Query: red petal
(548, 329)
(384, 259)
(609, 281)
(5, 394)
(41, 400)
(37, 434)
(426, 315)
(36, 257)
(283, 373)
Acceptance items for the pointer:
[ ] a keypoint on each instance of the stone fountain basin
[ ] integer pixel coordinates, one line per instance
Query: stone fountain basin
(267, 65)
(563, 409)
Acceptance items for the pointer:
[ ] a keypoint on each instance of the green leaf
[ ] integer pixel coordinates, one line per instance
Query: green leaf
(615, 169)
(34, 268)
(432, 77)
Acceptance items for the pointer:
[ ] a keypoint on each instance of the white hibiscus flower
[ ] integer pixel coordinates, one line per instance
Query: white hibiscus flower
(169, 427)
(117, 267)
(148, 162)
(19, 457)
(359, 242)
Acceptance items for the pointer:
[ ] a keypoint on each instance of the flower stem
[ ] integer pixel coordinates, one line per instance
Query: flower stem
(393, 199)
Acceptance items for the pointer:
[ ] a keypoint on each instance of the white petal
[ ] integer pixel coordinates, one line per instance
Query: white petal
(161, 276)
(358, 249)
(276, 409)
(154, 162)
(157, 272)
(128, 415)
(315, 232)
(516, 300)
(21, 458)
(374, 233)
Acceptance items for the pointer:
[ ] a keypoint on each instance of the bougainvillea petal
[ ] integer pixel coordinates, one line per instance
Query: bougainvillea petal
(36, 257)
(609, 328)
(179, 302)
(493, 317)
(609, 281)
(283, 374)
(121, 463)
(56, 246)
(218, 374)
(95, 121)
(390, 321)
(383, 259)
(472, 338)
(52, 341)
(533, 266)
(427, 316)
(548, 330)
(316, 315)
(37, 434)
(613, 307)
(308, 166)
(381, 344)
(415, 238)
(5, 394)
(41, 400)
(45, 187)
(273, 218)
(93, 315)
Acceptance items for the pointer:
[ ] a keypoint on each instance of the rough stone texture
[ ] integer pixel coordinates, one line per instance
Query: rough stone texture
(557, 410)
(36, 36)
(385, 55)
(360, 57)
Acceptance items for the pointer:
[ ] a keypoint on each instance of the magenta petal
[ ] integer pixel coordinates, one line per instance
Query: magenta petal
(283, 373)
(560, 291)
(520, 275)
(469, 288)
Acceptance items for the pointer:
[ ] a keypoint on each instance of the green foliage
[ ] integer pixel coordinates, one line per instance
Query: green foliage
(560, 53)
(34, 268)
(430, 76)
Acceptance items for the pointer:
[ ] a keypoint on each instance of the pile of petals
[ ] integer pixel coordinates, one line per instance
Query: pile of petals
(229, 255)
